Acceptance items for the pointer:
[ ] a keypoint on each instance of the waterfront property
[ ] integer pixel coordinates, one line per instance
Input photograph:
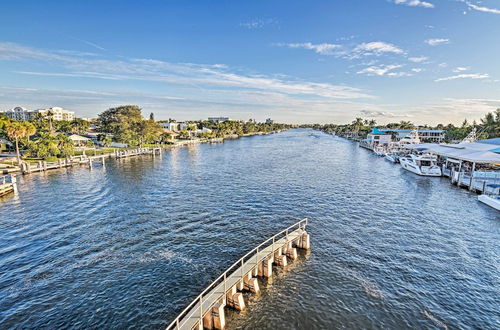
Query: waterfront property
(376, 140)
(57, 113)
(207, 310)
(425, 135)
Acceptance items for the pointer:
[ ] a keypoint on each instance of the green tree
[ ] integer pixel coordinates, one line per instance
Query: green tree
(148, 131)
(123, 122)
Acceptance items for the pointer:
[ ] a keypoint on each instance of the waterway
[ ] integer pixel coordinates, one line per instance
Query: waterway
(130, 245)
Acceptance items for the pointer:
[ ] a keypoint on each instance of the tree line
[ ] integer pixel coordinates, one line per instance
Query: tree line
(488, 127)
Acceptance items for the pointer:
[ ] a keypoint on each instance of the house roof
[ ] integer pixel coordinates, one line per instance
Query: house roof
(76, 137)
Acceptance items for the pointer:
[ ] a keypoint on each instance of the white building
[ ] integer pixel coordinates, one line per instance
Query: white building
(425, 135)
(20, 113)
(174, 127)
(183, 126)
(58, 113)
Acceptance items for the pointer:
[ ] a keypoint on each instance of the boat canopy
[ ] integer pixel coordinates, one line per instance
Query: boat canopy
(377, 131)
(480, 153)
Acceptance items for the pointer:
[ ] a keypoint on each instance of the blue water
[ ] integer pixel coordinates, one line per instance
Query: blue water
(130, 245)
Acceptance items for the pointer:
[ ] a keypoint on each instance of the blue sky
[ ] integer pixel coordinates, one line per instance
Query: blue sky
(434, 61)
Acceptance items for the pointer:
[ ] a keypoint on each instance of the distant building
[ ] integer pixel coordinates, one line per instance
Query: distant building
(218, 119)
(58, 113)
(174, 127)
(425, 135)
(377, 138)
(269, 121)
(20, 113)
(183, 126)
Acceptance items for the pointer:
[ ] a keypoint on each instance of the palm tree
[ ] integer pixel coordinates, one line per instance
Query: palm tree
(17, 130)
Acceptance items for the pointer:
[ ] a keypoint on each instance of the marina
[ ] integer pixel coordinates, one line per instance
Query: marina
(470, 164)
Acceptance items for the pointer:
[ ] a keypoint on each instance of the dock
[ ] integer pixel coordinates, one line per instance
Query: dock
(41, 165)
(8, 184)
(207, 310)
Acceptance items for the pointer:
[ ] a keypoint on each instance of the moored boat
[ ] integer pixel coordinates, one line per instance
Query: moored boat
(490, 200)
(425, 165)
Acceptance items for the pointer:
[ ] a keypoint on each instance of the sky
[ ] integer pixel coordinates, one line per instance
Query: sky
(429, 62)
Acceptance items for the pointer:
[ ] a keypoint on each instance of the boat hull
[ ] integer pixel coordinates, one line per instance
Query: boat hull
(423, 171)
(490, 201)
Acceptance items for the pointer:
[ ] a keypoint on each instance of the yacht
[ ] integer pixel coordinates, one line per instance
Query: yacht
(425, 164)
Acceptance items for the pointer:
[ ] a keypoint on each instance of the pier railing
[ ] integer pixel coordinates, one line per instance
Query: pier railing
(222, 279)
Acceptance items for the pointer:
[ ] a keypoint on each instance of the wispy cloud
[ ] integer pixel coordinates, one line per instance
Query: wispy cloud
(383, 70)
(481, 8)
(418, 59)
(414, 3)
(460, 69)
(90, 43)
(374, 48)
(258, 23)
(323, 48)
(177, 74)
(377, 48)
(381, 114)
(465, 76)
(437, 41)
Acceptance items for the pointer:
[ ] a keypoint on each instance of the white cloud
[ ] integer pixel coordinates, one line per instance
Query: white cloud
(417, 70)
(437, 41)
(381, 70)
(481, 8)
(414, 3)
(465, 76)
(323, 48)
(460, 69)
(417, 59)
(258, 23)
(177, 74)
(377, 48)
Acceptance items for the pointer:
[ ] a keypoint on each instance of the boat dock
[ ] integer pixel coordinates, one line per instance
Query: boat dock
(207, 310)
(41, 165)
(8, 184)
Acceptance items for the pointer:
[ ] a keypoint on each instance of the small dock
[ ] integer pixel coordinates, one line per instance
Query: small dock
(8, 184)
(41, 165)
(137, 152)
(207, 310)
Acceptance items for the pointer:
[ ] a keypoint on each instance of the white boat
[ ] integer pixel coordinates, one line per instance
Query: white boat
(379, 151)
(392, 156)
(425, 164)
(490, 200)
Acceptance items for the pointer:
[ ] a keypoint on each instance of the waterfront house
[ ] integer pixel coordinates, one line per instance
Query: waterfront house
(174, 127)
(425, 135)
(79, 141)
(376, 138)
